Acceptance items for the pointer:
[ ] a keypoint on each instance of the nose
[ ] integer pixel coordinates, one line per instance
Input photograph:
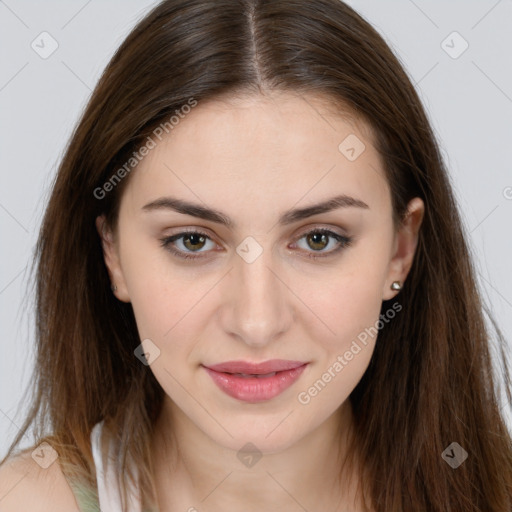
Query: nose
(259, 307)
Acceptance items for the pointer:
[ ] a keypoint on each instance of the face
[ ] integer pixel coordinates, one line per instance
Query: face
(268, 284)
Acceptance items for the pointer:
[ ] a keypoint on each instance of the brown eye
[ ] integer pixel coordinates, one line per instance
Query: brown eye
(192, 242)
(194, 239)
(318, 239)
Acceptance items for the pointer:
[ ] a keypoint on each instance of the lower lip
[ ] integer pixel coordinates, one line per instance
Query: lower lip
(254, 389)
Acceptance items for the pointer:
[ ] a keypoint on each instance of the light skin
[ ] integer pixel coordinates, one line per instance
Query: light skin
(253, 158)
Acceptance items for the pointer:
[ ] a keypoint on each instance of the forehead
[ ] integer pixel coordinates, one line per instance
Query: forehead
(274, 150)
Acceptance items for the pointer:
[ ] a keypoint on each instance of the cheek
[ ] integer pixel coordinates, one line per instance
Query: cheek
(158, 296)
(168, 303)
(353, 322)
(345, 302)
(351, 306)
(352, 314)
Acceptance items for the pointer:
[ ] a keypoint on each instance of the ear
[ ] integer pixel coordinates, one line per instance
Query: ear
(111, 257)
(406, 240)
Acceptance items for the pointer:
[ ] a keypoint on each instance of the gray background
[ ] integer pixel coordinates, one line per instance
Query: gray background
(468, 99)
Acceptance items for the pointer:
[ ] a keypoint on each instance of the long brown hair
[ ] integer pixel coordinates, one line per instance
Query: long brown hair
(430, 380)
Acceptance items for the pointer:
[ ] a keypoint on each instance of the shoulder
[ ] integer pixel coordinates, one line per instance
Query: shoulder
(25, 485)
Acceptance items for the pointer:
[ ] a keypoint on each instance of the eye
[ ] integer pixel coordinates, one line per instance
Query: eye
(319, 239)
(194, 241)
(191, 240)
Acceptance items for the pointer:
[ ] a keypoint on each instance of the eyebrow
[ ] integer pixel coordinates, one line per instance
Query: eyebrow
(288, 217)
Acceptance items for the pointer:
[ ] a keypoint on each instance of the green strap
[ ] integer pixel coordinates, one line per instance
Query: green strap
(86, 498)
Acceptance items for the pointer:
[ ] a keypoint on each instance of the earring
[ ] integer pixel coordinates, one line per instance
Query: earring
(113, 287)
(396, 285)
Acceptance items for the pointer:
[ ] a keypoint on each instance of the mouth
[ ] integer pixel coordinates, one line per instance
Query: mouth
(255, 382)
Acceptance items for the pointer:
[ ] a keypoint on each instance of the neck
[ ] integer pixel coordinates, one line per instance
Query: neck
(191, 468)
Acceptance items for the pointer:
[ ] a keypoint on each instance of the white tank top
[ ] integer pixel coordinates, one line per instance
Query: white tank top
(108, 491)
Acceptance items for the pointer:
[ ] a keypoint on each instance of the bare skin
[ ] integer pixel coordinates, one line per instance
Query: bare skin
(25, 485)
(252, 159)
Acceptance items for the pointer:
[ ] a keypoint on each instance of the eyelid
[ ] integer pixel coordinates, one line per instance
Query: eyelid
(321, 227)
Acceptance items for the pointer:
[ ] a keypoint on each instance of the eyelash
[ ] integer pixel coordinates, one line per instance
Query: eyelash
(343, 241)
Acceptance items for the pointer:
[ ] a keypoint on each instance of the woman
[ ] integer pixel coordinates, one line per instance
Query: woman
(253, 286)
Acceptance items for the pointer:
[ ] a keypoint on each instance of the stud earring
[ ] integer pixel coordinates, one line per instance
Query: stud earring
(113, 287)
(396, 285)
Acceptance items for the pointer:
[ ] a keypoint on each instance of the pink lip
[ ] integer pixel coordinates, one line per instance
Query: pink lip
(255, 389)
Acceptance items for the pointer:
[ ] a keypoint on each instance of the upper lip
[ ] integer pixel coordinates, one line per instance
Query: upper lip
(272, 365)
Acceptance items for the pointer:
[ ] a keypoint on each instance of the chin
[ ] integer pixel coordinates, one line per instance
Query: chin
(251, 436)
